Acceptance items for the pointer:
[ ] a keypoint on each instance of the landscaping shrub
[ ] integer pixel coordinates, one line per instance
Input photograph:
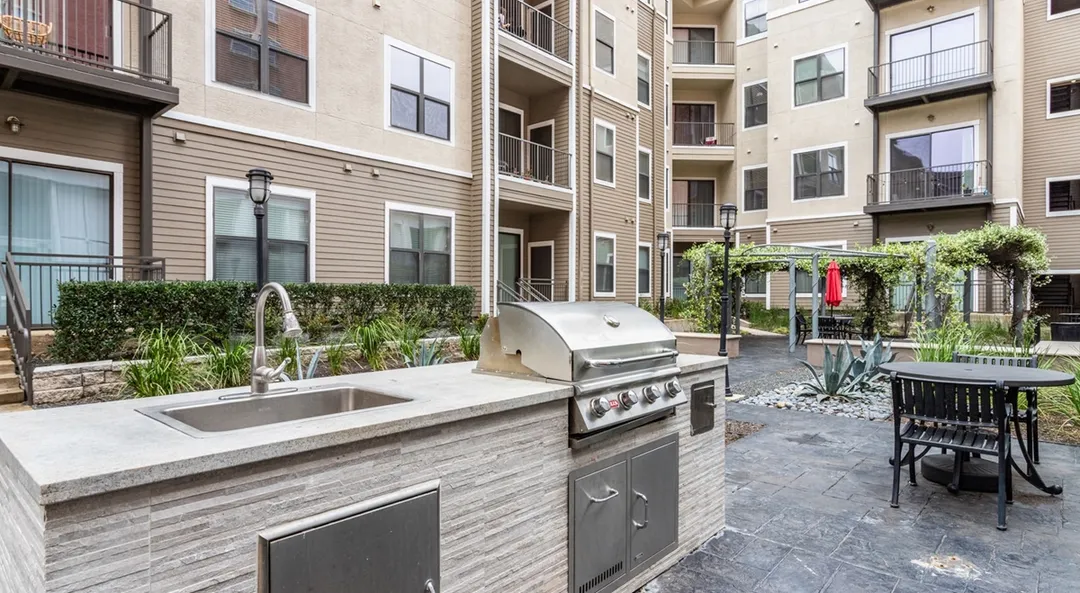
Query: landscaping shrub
(228, 365)
(165, 370)
(96, 320)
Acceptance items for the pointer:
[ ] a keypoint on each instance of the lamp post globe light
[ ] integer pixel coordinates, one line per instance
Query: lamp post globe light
(728, 214)
(259, 181)
(663, 241)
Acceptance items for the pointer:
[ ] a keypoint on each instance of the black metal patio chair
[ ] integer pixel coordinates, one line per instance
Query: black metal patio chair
(802, 328)
(1030, 416)
(969, 417)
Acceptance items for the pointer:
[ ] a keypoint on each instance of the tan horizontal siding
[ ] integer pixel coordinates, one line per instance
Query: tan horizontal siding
(921, 224)
(349, 211)
(1050, 145)
(71, 130)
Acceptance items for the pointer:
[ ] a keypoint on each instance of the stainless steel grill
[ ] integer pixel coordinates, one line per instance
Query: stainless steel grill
(620, 359)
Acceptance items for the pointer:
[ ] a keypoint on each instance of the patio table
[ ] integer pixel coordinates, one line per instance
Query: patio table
(976, 473)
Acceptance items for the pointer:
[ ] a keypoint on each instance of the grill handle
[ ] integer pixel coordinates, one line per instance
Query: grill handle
(614, 362)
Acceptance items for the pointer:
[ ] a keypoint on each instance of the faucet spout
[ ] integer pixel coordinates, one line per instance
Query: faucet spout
(261, 374)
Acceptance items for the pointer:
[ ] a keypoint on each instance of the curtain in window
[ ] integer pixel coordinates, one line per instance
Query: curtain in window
(419, 248)
(605, 265)
(288, 222)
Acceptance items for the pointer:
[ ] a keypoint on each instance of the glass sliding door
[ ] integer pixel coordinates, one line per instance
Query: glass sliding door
(695, 45)
(934, 54)
(694, 123)
(509, 265)
(932, 165)
(694, 203)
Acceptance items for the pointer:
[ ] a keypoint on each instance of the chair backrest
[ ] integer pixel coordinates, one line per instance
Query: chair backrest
(1029, 362)
(800, 320)
(963, 403)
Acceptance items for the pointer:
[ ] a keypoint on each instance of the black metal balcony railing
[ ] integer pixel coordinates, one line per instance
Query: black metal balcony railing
(704, 52)
(533, 162)
(535, 28)
(693, 133)
(930, 183)
(695, 216)
(929, 70)
(119, 35)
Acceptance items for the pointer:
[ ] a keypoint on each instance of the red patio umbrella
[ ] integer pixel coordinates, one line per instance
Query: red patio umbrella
(834, 287)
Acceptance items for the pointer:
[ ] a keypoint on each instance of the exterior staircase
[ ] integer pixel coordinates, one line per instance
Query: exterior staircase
(10, 390)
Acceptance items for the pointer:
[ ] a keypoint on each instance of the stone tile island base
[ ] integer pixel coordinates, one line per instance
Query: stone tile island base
(504, 505)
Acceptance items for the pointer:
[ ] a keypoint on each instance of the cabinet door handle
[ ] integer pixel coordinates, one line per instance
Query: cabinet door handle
(611, 493)
(429, 587)
(646, 523)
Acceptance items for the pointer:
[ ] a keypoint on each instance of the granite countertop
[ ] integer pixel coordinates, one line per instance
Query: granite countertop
(67, 453)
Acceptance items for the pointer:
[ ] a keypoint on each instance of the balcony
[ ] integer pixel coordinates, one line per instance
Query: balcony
(695, 216)
(531, 37)
(703, 141)
(534, 174)
(929, 188)
(703, 64)
(115, 54)
(936, 76)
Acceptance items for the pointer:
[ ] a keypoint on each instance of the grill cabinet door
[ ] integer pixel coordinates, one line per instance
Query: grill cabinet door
(654, 500)
(599, 523)
(393, 548)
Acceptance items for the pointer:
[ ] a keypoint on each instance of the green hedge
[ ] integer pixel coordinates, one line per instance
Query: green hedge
(98, 320)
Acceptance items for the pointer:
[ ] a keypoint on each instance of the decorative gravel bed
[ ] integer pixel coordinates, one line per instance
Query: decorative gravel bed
(873, 404)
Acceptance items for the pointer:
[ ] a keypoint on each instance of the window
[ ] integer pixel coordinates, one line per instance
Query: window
(754, 284)
(756, 104)
(644, 175)
(644, 67)
(420, 93)
(667, 187)
(694, 45)
(819, 173)
(756, 188)
(604, 58)
(680, 276)
(605, 154)
(1064, 97)
(288, 219)
(263, 46)
(667, 102)
(1063, 195)
(1063, 7)
(934, 54)
(420, 246)
(644, 265)
(754, 17)
(819, 78)
(804, 281)
(934, 164)
(604, 256)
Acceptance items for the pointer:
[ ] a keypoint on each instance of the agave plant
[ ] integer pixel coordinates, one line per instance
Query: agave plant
(426, 354)
(871, 356)
(836, 379)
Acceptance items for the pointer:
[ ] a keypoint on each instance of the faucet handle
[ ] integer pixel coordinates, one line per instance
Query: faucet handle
(268, 374)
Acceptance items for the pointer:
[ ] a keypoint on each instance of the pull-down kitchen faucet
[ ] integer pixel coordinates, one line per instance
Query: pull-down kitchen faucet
(261, 375)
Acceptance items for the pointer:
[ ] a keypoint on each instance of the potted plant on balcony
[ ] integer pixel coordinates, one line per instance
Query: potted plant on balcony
(966, 190)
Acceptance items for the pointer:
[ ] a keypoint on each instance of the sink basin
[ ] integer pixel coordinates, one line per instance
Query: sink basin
(225, 415)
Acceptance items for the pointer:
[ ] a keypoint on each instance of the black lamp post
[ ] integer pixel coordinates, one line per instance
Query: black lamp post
(728, 213)
(259, 193)
(663, 241)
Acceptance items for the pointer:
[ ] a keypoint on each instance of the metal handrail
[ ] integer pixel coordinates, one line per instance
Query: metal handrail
(929, 183)
(535, 28)
(695, 216)
(708, 53)
(19, 328)
(530, 161)
(531, 293)
(703, 133)
(141, 45)
(929, 70)
(504, 290)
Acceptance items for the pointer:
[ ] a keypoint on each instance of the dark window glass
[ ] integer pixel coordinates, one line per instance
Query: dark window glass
(1065, 96)
(1064, 195)
(643, 267)
(756, 100)
(262, 46)
(288, 224)
(605, 43)
(419, 94)
(819, 173)
(419, 248)
(819, 78)
(754, 284)
(1060, 6)
(756, 189)
(643, 82)
(605, 265)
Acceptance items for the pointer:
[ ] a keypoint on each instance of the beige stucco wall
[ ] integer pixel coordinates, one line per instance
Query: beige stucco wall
(623, 85)
(348, 68)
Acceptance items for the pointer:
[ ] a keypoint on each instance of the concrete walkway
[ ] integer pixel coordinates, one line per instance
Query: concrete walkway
(808, 512)
(764, 363)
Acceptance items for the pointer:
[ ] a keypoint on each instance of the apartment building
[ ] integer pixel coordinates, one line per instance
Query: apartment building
(516, 146)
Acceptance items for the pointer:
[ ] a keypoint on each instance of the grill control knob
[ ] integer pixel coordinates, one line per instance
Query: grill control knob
(600, 406)
(673, 388)
(651, 393)
(628, 399)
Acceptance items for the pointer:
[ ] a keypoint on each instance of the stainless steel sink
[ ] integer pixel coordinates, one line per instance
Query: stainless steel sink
(237, 413)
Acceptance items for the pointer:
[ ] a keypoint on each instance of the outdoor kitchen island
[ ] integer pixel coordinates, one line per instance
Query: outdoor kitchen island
(103, 498)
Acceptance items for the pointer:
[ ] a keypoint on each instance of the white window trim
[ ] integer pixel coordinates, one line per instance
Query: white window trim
(847, 75)
(614, 264)
(528, 250)
(211, 56)
(1054, 81)
(714, 193)
(389, 42)
(1053, 17)
(743, 38)
(1046, 186)
(742, 105)
(667, 105)
(667, 190)
(637, 182)
(115, 170)
(614, 149)
(647, 245)
(403, 207)
(648, 59)
(614, 43)
(974, 124)
(847, 175)
(277, 190)
(827, 244)
(772, 14)
(742, 185)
